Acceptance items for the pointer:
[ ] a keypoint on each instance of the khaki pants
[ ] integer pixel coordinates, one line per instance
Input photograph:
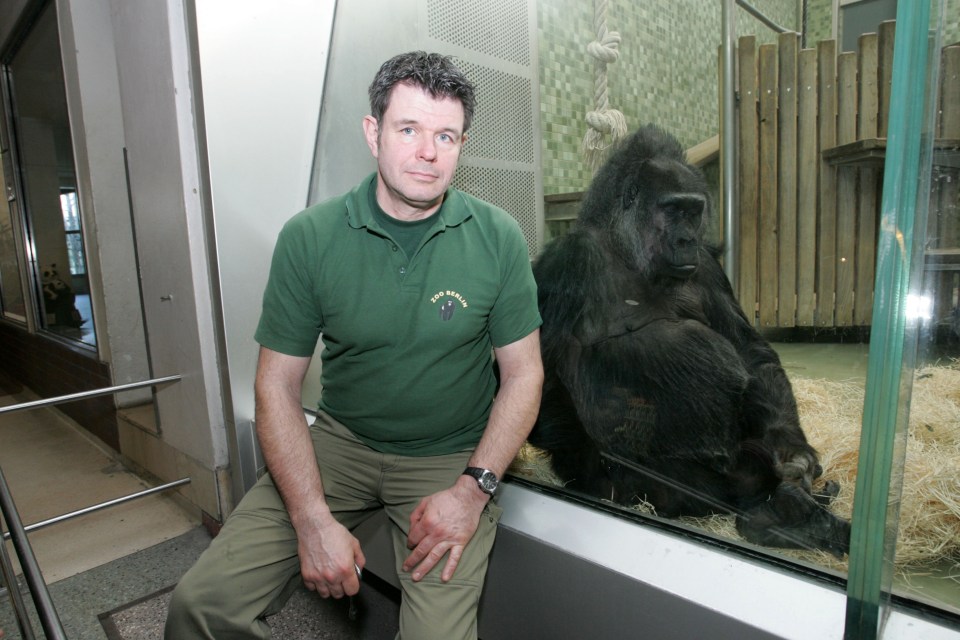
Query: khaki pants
(251, 568)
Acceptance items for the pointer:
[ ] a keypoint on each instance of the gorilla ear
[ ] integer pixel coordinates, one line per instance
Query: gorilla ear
(630, 192)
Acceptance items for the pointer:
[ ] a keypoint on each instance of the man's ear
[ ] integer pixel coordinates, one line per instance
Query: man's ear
(371, 131)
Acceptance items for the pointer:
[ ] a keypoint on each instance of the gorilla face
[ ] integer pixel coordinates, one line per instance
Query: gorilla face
(661, 224)
(679, 219)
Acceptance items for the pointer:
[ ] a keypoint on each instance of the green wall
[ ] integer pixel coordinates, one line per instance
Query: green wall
(666, 73)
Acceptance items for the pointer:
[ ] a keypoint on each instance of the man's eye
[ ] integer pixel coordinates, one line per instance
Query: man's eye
(408, 131)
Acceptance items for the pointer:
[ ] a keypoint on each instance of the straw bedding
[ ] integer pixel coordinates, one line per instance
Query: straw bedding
(831, 413)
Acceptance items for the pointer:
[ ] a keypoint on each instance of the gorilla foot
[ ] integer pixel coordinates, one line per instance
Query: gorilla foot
(826, 493)
(794, 519)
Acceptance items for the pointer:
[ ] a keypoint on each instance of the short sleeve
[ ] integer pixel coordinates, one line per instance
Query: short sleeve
(291, 318)
(515, 313)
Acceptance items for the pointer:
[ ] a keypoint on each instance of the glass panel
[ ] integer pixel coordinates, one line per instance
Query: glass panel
(668, 75)
(810, 164)
(45, 152)
(71, 223)
(893, 346)
(11, 288)
(807, 232)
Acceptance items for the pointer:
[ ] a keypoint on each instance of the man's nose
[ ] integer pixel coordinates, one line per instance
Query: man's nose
(428, 148)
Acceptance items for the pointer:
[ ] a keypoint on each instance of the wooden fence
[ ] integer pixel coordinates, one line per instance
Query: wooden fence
(812, 130)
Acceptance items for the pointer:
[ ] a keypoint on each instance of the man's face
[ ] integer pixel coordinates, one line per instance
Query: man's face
(417, 145)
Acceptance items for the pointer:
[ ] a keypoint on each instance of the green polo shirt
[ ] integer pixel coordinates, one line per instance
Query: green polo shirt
(407, 339)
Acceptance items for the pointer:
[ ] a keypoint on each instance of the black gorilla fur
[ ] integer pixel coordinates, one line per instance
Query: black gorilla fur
(657, 385)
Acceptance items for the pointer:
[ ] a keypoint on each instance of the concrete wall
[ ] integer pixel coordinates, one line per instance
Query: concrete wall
(167, 184)
(96, 123)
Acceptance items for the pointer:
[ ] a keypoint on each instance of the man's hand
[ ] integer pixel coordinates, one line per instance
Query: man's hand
(329, 557)
(442, 522)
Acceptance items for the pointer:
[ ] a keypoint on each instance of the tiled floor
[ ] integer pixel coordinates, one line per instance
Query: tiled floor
(53, 468)
(98, 562)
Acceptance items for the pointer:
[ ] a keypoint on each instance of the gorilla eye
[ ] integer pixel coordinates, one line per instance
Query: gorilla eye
(688, 205)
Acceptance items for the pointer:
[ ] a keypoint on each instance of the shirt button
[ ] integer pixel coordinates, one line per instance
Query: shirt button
(403, 270)
(395, 247)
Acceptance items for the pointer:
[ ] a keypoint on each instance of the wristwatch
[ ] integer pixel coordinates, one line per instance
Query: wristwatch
(487, 480)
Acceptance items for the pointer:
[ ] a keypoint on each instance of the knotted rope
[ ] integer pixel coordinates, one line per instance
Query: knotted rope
(602, 120)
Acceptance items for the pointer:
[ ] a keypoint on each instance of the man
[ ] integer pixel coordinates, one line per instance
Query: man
(409, 283)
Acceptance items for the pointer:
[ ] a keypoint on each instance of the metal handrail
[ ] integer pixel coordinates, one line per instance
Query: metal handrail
(49, 618)
(30, 528)
(82, 395)
(756, 13)
(47, 612)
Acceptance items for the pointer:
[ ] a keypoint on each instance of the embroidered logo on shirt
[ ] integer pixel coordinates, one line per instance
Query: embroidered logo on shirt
(448, 303)
(446, 310)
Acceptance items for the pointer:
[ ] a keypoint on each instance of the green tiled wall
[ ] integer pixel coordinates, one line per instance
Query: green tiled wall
(951, 22)
(819, 21)
(666, 73)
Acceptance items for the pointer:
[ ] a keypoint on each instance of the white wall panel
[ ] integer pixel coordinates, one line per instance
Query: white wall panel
(262, 67)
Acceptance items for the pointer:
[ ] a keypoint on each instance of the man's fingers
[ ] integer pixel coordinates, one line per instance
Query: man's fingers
(426, 558)
(347, 584)
(452, 561)
(417, 554)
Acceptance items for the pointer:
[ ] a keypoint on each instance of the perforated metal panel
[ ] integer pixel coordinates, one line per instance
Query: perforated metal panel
(511, 190)
(495, 43)
(503, 127)
(499, 28)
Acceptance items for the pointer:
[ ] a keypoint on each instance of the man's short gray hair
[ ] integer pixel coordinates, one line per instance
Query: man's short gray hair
(434, 73)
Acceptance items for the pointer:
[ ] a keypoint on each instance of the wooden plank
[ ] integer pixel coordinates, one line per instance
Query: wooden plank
(868, 112)
(846, 190)
(723, 137)
(827, 211)
(945, 202)
(789, 44)
(871, 182)
(950, 94)
(807, 163)
(867, 209)
(885, 73)
(767, 277)
(869, 151)
(748, 203)
(949, 207)
(872, 151)
(705, 152)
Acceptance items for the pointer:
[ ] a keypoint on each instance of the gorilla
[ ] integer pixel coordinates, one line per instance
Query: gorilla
(657, 385)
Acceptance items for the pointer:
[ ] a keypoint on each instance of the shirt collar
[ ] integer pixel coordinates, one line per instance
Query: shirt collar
(454, 211)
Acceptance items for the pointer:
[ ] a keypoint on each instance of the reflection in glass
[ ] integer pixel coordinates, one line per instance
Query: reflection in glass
(811, 240)
(12, 301)
(45, 153)
(71, 225)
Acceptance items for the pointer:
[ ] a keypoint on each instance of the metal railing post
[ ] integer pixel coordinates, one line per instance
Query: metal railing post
(13, 590)
(49, 618)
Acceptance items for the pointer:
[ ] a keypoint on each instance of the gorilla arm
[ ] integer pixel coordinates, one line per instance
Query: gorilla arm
(769, 408)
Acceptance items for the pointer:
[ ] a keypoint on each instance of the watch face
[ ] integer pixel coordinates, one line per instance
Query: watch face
(488, 482)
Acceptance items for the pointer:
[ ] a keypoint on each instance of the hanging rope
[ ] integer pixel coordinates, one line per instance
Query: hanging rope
(603, 120)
